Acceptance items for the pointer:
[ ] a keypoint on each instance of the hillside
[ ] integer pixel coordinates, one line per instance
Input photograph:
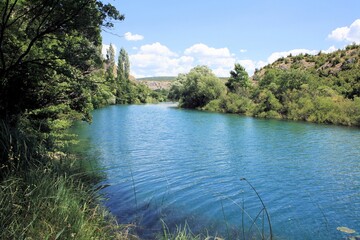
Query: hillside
(336, 65)
(157, 83)
(157, 79)
(321, 61)
(322, 88)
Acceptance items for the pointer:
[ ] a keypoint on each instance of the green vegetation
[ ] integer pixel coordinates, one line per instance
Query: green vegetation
(182, 233)
(53, 200)
(197, 88)
(119, 88)
(324, 89)
(52, 74)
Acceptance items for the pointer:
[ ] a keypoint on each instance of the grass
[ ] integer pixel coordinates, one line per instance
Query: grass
(43, 204)
(49, 195)
(183, 233)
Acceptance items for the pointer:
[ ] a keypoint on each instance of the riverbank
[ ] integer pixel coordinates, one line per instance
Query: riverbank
(322, 88)
(52, 197)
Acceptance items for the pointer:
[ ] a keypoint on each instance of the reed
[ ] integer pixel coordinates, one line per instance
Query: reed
(181, 233)
(46, 205)
(44, 197)
(262, 211)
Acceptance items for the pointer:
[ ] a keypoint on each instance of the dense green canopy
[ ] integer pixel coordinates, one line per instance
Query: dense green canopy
(324, 88)
(50, 51)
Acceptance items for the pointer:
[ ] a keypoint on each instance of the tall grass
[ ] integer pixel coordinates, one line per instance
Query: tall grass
(181, 233)
(46, 206)
(44, 197)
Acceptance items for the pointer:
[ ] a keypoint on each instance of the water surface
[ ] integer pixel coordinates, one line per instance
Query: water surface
(185, 166)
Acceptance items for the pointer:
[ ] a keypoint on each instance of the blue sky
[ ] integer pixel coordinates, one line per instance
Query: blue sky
(164, 38)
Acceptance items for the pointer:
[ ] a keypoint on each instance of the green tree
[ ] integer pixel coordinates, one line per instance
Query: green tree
(110, 61)
(200, 87)
(239, 79)
(123, 68)
(125, 89)
(48, 50)
(176, 88)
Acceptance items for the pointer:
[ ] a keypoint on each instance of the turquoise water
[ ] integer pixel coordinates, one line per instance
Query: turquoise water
(185, 166)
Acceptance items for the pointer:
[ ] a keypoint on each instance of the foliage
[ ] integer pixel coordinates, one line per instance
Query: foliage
(230, 103)
(48, 48)
(324, 88)
(117, 87)
(239, 79)
(177, 87)
(182, 233)
(197, 88)
(325, 92)
(51, 73)
(123, 70)
(48, 194)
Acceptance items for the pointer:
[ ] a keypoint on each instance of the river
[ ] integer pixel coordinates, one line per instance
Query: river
(175, 166)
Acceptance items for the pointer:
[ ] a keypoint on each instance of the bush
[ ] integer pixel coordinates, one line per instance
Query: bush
(200, 87)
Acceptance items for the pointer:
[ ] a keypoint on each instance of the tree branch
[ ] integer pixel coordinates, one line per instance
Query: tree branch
(57, 24)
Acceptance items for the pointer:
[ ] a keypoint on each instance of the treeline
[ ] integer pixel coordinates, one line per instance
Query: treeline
(51, 68)
(324, 88)
(52, 74)
(119, 87)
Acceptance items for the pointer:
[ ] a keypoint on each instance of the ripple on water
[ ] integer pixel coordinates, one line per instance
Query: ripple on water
(179, 165)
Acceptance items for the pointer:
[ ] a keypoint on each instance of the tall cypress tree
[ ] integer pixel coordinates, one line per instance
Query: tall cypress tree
(110, 68)
(123, 69)
(124, 93)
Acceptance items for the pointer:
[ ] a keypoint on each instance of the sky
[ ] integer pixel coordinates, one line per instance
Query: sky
(168, 37)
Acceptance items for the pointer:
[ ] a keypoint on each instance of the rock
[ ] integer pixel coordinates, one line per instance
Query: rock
(346, 230)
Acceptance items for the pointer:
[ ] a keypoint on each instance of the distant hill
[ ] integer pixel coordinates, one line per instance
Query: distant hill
(323, 88)
(163, 78)
(157, 83)
(332, 65)
(168, 78)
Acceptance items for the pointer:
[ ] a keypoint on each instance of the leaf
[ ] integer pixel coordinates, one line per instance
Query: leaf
(345, 230)
(59, 233)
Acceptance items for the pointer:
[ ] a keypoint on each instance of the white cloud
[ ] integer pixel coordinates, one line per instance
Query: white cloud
(339, 34)
(158, 60)
(348, 34)
(330, 49)
(202, 50)
(243, 50)
(251, 65)
(276, 55)
(156, 49)
(220, 60)
(133, 37)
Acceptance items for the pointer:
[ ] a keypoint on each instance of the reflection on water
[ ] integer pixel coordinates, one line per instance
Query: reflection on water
(180, 165)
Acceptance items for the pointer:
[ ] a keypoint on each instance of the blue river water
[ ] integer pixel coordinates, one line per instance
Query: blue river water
(171, 166)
